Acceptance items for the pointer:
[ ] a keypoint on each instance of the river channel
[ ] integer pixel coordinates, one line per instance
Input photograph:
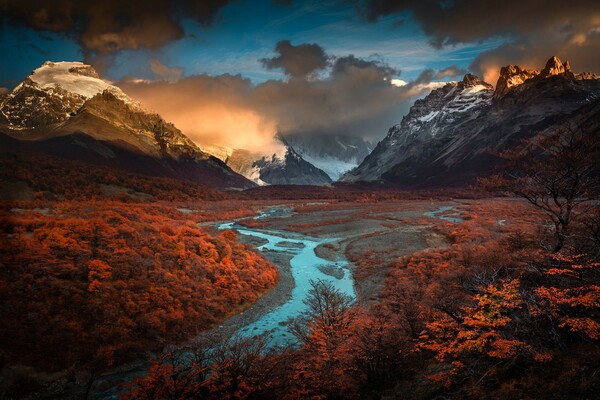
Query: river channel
(305, 266)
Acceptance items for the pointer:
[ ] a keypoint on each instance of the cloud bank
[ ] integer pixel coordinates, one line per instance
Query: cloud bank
(297, 61)
(353, 96)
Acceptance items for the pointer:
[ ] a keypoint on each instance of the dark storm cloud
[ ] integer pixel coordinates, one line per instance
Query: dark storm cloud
(350, 65)
(107, 26)
(425, 77)
(460, 21)
(536, 29)
(297, 61)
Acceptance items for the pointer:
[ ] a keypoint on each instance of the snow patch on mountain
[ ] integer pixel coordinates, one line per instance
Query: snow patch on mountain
(452, 104)
(447, 136)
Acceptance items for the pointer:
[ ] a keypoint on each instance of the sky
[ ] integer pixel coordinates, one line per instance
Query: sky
(231, 72)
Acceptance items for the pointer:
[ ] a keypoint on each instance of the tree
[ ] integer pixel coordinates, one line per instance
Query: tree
(328, 312)
(572, 297)
(324, 368)
(557, 172)
(237, 368)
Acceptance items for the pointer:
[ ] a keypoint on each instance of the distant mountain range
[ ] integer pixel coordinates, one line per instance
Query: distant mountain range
(334, 154)
(282, 167)
(446, 138)
(64, 109)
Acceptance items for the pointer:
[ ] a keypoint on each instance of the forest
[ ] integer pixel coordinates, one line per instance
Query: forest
(91, 284)
(493, 315)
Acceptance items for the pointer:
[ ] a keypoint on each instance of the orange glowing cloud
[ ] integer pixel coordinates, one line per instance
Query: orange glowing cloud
(357, 98)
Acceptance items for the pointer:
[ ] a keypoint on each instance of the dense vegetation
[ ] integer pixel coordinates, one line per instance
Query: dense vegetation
(43, 177)
(85, 285)
(509, 308)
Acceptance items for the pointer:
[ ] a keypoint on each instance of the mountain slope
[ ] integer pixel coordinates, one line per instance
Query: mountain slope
(72, 113)
(446, 138)
(291, 170)
(288, 168)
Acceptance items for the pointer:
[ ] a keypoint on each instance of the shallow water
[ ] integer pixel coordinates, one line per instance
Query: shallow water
(455, 217)
(304, 267)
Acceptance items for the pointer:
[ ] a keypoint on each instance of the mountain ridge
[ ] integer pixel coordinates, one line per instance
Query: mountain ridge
(68, 98)
(446, 138)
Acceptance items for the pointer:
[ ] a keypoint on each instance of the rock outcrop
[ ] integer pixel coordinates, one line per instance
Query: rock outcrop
(511, 76)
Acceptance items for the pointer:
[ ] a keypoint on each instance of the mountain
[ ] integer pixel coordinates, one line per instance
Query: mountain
(334, 154)
(65, 109)
(292, 169)
(446, 138)
(284, 167)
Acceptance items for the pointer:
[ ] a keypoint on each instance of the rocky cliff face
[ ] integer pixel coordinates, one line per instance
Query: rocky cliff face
(68, 98)
(446, 137)
(453, 105)
(512, 75)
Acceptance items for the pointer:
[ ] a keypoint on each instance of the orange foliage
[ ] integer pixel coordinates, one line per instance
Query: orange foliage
(95, 283)
(576, 306)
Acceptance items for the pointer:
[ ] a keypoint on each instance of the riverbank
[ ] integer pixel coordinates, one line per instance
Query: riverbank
(268, 302)
(370, 237)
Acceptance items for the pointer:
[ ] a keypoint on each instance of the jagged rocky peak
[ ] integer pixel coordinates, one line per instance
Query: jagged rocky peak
(281, 166)
(473, 80)
(449, 102)
(511, 76)
(587, 75)
(291, 170)
(553, 67)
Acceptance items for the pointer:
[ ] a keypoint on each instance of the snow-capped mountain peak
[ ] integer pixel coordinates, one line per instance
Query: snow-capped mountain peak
(453, 102)
(74, 77)
(55, 91)
(75, 113)
(281, 164)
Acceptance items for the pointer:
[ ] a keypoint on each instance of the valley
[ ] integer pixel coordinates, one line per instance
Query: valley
(265, 239)
(329, 241)
(315, 245)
